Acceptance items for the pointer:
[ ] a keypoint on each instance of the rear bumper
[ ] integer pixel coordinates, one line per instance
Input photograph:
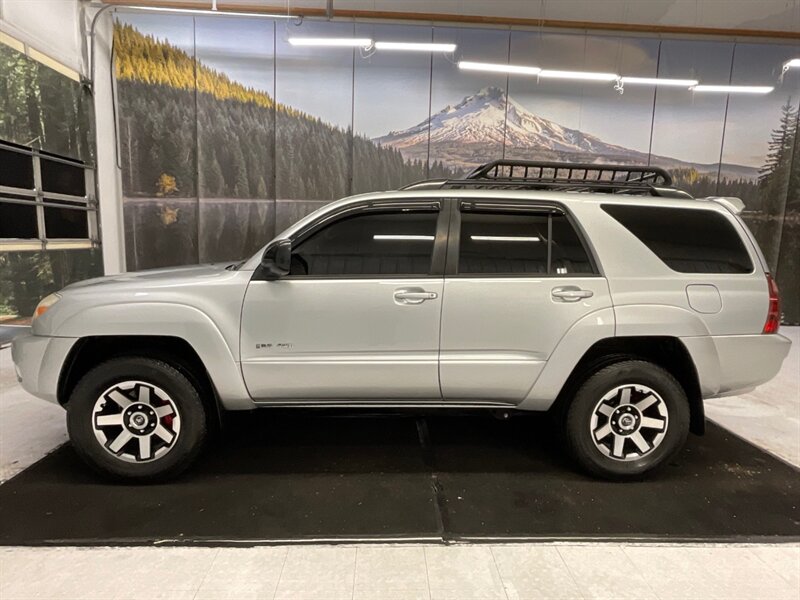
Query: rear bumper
(38, 361)
(732, 364)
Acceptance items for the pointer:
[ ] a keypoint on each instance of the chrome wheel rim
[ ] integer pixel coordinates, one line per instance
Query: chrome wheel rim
(136, 421)
(629, 422)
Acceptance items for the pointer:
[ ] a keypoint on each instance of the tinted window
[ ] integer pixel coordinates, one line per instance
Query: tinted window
(372, 244)
(66, 223)
(517, 243)
(568, 254)
(687, 240)
(17, 169)
(62, 178)
(18, 221)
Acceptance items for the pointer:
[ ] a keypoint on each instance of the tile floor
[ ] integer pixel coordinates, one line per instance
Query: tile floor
(404, 572)
(768, 416)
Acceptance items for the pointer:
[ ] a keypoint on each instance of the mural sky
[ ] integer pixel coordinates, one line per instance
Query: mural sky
(404, 82)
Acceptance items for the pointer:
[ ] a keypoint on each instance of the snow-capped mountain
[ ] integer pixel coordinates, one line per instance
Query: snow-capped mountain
(461, 134)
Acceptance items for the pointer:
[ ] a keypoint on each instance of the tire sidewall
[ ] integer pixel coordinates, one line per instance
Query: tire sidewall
(627, 373)
(183, 394)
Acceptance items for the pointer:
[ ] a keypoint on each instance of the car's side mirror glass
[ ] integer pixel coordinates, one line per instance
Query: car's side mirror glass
(277, 259)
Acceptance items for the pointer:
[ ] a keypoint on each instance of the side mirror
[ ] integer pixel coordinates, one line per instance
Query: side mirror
(277, 259)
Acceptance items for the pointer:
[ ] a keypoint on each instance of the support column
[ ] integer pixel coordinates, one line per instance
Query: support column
(109, 177)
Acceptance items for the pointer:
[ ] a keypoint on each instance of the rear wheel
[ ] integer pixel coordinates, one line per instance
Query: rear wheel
(627, 419)
(136, 418)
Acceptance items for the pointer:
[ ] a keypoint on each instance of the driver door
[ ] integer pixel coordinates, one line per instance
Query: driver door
(358, 315)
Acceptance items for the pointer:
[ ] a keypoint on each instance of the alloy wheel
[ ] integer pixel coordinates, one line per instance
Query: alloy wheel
(629, 422)
(136, 421)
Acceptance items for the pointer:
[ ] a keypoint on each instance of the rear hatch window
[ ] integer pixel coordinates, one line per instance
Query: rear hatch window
(686, 240)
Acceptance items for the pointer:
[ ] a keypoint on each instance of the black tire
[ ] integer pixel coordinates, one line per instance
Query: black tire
(578, 429)
(184, 395)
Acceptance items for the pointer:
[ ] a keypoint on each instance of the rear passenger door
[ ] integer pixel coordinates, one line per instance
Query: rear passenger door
(517, 277)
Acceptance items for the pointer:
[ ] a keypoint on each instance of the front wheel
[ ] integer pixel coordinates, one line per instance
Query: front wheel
(627, 419)
(136, 418)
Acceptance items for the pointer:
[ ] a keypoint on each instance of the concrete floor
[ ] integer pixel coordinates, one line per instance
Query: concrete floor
(769, 417)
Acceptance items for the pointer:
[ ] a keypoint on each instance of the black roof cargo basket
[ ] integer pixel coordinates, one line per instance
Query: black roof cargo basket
(570, 177)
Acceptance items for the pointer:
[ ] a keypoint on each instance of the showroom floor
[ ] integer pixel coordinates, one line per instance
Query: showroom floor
(768, 417)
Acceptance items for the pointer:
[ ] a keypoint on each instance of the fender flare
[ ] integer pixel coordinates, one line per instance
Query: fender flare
(169, 320)
(620, 322)
(583, 334)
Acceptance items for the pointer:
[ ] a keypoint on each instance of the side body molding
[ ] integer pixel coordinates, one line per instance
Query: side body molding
(583, 334)
(169, 319)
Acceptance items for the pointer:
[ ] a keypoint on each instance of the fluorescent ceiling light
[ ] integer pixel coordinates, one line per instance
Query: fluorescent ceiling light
(341, 42)
(413, 238)
(659, 81)
(497, 68)
(793, 63)
(734, 89)
(415, 46)
(502, 238)
(581, 75)
(200, 11)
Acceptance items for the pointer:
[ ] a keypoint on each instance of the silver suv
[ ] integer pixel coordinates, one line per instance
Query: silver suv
(596, 292)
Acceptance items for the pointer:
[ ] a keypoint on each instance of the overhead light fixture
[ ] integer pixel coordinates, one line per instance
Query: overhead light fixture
(415, 46)
(201, 11)
(408, 238)
(579, 75)
(734, 89)
(338, 42)
(498, 68)
(659, 81)
(502, 238)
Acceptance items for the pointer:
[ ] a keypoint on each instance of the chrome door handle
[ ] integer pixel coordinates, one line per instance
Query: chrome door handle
(571, 293)
(415, 296)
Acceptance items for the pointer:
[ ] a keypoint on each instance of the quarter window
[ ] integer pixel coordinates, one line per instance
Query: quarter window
(393, 243)
(687, 240)
(519, 243)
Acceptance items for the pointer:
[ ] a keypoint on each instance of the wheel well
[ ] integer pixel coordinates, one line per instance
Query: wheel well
(667, 352)
(90, 351)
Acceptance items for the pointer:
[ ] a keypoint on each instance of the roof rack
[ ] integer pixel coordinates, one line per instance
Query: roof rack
(562, 176)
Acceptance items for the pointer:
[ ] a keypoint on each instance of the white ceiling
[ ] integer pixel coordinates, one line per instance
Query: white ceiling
(765, 15)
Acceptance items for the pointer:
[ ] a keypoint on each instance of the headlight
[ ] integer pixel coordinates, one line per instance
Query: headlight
(45, 304)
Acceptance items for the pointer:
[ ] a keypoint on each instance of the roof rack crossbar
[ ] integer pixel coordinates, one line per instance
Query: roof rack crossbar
(563, 176)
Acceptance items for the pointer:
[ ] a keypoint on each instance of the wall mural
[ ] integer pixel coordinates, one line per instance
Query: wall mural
(229, 133)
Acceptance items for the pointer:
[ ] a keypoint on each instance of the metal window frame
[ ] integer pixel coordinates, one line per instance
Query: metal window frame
(39, 198)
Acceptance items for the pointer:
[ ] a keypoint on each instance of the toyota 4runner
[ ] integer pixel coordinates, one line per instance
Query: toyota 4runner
(597, 292)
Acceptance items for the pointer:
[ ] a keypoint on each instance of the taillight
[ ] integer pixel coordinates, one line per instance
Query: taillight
(774, 313)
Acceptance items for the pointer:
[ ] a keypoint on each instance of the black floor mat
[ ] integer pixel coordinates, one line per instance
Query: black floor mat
(277, 478)
(515, 484)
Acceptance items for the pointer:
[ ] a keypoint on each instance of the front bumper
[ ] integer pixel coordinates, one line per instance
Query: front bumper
(733, 364)
(38, 361)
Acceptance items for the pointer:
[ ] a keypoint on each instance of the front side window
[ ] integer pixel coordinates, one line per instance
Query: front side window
(386, 243)
(519, 243)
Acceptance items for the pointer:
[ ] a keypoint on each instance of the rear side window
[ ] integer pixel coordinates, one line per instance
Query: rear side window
(519, 243)
(686, 240)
